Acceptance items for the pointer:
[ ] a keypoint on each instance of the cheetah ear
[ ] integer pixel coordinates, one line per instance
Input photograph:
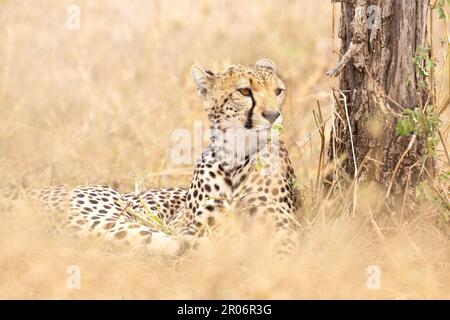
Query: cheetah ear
(202, 78)
(266, 63)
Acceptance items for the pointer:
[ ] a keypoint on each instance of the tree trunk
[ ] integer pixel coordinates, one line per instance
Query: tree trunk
(378, 79)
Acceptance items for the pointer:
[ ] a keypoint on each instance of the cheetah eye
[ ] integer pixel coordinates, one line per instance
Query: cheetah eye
(246, 92)
(278, 91)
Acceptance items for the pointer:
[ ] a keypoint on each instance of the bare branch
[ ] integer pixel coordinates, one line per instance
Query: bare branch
(358, 39)
(391, 182)
(351, 52)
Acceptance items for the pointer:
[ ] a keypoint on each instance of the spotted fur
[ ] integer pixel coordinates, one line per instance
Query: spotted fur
(242, 104)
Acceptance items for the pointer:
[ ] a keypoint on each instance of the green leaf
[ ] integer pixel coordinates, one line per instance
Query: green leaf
(442, 14)
(424, 191)
(404, 127)
(294, 183)
(445, 175)
(258, 164)
(278, 127)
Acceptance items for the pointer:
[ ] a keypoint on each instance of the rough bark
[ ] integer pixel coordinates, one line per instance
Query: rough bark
(377, 82)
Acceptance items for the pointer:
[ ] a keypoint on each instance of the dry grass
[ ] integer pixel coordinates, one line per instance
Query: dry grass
(99, 104)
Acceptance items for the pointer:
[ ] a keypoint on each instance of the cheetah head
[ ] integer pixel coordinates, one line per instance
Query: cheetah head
(249, 97)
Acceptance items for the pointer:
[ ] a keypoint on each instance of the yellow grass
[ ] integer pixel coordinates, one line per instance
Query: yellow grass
(98, 106)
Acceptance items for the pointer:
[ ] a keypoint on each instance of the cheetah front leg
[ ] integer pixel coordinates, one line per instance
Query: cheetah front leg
(104, 213)
(137, 236)
(266, 213)
(99, 212)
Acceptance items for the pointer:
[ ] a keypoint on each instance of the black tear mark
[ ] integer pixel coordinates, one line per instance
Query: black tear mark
(249, 121)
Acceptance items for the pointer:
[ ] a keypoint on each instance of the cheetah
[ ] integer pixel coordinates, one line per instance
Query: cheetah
(96, 211)
(245, 168)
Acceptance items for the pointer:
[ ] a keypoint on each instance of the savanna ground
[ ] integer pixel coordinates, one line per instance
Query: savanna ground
(98, 105)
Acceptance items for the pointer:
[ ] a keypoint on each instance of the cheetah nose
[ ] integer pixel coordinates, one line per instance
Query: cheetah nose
(271, 116)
